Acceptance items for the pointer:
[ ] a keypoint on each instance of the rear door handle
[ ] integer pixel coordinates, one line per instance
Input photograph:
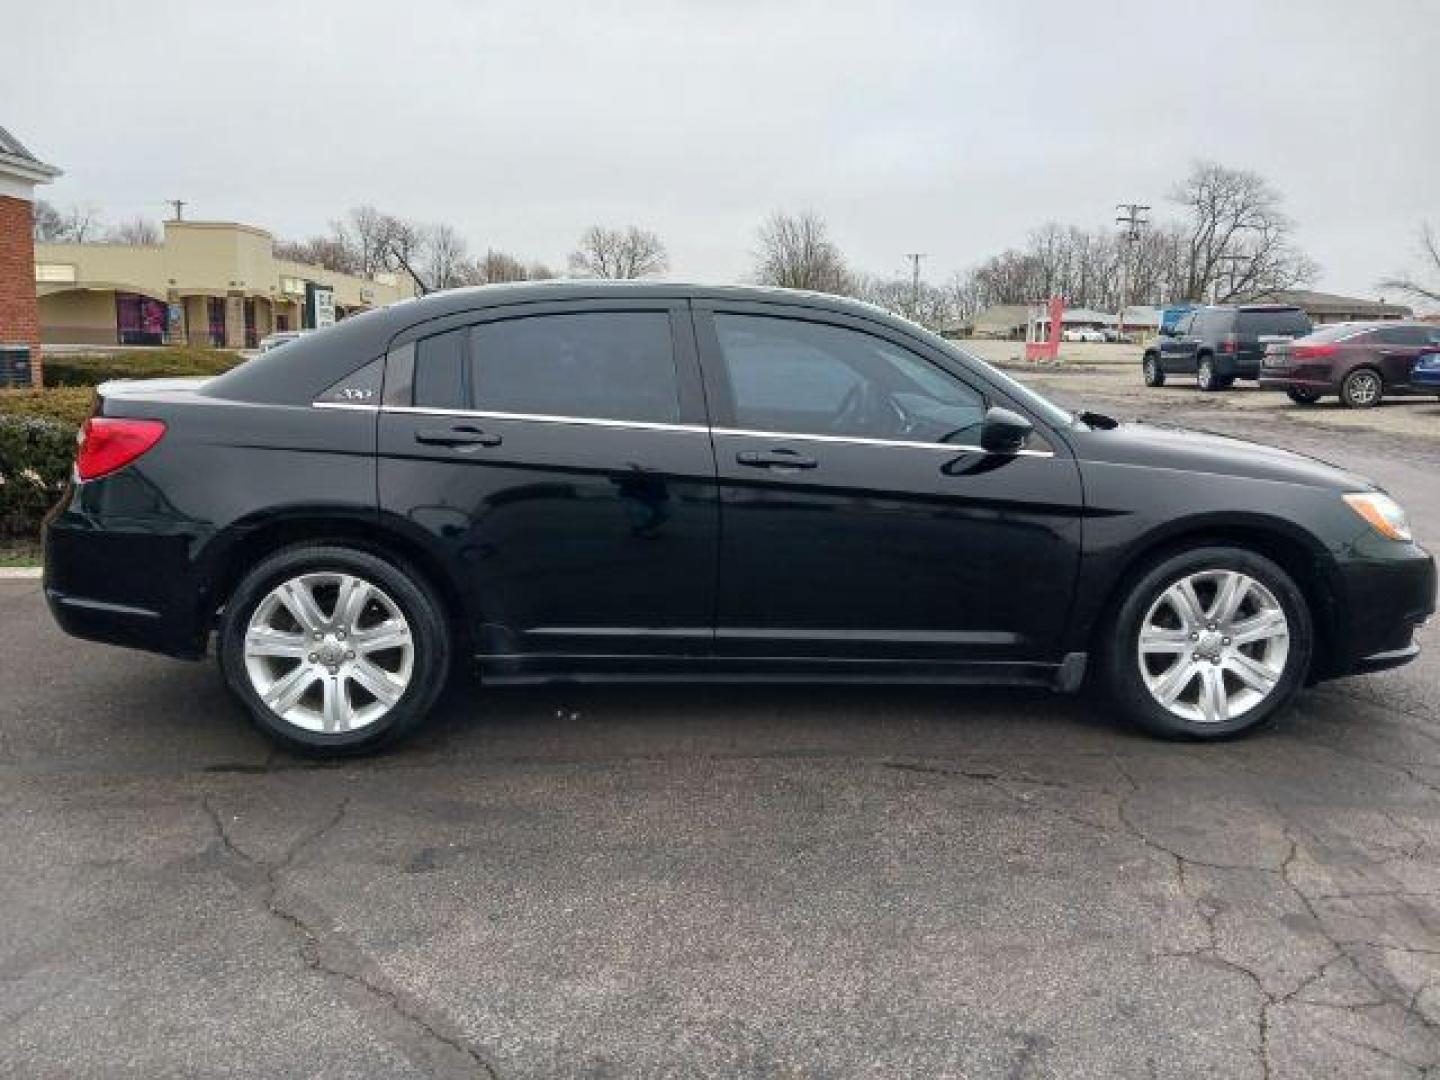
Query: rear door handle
(459, 435)
(775, 459)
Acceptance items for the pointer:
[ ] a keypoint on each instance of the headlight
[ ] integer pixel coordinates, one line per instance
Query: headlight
(1382, 513)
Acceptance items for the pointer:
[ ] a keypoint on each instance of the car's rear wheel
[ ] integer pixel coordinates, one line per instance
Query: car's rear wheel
(1208, 643)
(1153, 375)
(332, 649)
(1205, 377)
(1302, 395)
(1362, 388)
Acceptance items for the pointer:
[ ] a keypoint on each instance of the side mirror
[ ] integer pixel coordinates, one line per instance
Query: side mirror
(1004, 432)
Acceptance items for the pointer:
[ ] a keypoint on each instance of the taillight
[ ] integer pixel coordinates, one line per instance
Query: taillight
(108, 443)
(1312, 352)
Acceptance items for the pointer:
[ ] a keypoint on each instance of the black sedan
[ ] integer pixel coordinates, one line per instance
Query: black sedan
(610, 481)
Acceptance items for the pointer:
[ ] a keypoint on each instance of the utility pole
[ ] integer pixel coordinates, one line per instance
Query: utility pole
(915, 257)
(179, 205)
(1132, 220)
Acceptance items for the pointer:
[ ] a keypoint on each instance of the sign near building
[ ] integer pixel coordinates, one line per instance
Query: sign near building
(319, 306)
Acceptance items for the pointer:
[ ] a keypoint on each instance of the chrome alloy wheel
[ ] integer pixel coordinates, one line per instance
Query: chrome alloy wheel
(329, 652)
(1213, 646)
(1364, 388)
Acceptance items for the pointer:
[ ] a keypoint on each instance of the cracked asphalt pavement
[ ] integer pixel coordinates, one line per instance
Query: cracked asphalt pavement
(625, 882)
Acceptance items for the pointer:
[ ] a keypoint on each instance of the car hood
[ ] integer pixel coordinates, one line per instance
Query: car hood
(1162, 446)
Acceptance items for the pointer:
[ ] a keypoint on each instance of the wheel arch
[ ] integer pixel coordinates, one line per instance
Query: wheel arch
(247, 545)
(1297, 553)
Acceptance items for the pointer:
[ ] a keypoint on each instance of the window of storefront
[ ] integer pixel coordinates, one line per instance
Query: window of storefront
(139, 320)
(215, 312)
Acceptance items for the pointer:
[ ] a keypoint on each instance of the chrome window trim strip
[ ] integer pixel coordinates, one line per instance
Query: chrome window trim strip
(694, 429)
(856, 440)
(544, 418)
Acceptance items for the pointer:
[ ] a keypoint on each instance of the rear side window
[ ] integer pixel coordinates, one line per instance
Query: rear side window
(607, 365)
(1261, 323)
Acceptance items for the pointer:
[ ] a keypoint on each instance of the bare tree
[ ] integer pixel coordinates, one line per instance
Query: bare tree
(47, 224)
(796, 252)
(932, 308)
(631, 252)
(1426, 290)
(445, 261)
(1238, 240)
(329, 252)
(496, 267)
(75, 224)
(136, 231)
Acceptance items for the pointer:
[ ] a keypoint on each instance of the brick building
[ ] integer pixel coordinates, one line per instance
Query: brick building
(20, 172)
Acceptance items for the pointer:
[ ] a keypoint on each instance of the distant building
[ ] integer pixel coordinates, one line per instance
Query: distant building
(1329, 308)
(1001, 321)
(20, 172)
(208, 283)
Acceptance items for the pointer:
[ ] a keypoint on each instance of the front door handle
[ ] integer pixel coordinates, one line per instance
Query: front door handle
(775, 459)
(459, 435)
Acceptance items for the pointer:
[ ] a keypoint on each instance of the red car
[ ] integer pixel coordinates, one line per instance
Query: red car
(1361, 362)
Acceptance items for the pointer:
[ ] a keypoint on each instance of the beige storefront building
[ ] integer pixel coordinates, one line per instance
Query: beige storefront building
(208, 283)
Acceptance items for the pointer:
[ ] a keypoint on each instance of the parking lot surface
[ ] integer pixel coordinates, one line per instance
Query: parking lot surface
(723, 881)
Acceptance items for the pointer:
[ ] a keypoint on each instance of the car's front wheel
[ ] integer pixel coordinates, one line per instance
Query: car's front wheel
(333, 649)
(1208, 643)
(1153, 375)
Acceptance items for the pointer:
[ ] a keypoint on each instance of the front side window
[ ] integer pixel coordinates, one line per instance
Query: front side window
(807, 378)
(1409, 336)
(608, 365)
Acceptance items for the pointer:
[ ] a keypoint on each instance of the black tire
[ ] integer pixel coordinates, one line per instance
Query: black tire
(1302, 395)
(1205, 377)
(1362, 389)
(1120, 662)
(1153, 375)
(423, 612)
(1225, 382)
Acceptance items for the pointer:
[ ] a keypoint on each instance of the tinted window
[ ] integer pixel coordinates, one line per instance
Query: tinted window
(1290, 323)
(1339, 332)
(606, 365)
(1414, 336)
(440, 371)
(815, 379)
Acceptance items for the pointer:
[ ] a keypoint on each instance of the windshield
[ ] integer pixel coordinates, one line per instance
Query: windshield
(1052, 413)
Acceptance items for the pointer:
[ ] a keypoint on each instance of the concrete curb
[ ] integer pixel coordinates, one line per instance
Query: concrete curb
(18, 573)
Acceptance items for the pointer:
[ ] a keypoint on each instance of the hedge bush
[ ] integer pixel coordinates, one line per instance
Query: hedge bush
(70, 405)
(92, 370)
(35, 459)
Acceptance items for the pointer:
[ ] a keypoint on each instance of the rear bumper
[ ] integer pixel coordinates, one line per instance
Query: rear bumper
(122, 586)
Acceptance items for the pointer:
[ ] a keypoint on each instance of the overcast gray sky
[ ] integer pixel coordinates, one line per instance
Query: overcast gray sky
(949, 128)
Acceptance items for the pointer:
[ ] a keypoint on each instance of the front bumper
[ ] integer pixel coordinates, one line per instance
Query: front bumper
(1387, 598)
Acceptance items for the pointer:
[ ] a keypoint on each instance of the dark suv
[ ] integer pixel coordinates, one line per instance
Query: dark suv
(1221, 344)
(1361, 362)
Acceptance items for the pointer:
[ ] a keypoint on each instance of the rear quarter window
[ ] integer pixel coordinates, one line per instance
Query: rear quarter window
(1260, 323)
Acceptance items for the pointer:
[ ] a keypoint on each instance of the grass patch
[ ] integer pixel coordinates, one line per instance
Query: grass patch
(19, 553)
